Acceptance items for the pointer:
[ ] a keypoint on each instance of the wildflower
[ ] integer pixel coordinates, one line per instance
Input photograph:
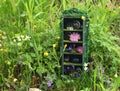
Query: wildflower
(34, 27)
(22, 36)
(21, 82)
(65, 46)
(74, 37)
(19, 39)
(85, 68)
(49, 83)
(8, 63)
(4, 37)
(68, 81)
(85, 64)
(19, 44)
(27, 37)
(58, 37)
(1, 49)
(108, 81)
(14, 40)
(103, 70)
(0, 34)
(15, 79)
(54, 45)
(79, 49)
(83, 17)
(45, 53)
(116, 75)
(0, 45)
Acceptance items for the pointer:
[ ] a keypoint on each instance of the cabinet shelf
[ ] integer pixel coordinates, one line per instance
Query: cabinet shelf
(70, 63)
(68, 41)
(72, 53)
(74, 30)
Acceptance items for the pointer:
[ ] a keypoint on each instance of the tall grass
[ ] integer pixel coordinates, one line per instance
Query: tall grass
(24, 57)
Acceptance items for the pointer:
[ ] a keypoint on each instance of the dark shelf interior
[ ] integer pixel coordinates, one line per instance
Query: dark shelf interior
(72, 70)
(73, 58)
(76, 23)
(73, 53)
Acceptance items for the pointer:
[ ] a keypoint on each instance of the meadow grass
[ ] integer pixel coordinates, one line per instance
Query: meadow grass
(30, 28)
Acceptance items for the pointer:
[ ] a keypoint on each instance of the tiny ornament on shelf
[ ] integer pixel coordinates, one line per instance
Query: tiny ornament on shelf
(74, 37)
(80, 49)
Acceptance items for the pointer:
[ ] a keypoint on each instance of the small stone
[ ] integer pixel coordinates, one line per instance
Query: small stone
(34, 89)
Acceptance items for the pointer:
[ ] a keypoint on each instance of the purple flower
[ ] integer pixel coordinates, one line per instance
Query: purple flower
(108, 81)
(103, 70)
(49, 83)
(79, 49)
(74, 37)
(70, 48)
(73, 67)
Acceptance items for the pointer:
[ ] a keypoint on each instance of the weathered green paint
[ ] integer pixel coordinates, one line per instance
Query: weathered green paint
(75, 13)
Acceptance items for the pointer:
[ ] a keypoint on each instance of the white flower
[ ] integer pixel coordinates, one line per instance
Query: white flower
(116, 75)
(15, 79)
(85, 68)
(4, 37)
(14, 40)
(85, 64)
(0, 45)
(19, 39)
(27, 37)
(19, 44)
(22, 36)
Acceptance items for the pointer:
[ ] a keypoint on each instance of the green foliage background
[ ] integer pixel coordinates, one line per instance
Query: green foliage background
(40, 20)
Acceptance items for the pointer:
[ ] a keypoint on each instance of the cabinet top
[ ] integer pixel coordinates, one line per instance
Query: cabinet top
(74, 13)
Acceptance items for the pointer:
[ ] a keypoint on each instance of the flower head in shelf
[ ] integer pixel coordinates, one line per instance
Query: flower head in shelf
(79, 49)
(69, 48)
(74, 37)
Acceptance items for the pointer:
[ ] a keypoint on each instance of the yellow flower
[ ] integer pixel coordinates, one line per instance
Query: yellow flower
(45, 53)
(54, 45)
(15, 79)
(8, 63)
(65, 46)
(34, 27)
(116, 75)
(58, 37)
(21, 82)
(0, 34)
(83, 17)
(1, 49)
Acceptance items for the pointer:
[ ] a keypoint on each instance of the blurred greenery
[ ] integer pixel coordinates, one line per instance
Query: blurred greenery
(28, 30)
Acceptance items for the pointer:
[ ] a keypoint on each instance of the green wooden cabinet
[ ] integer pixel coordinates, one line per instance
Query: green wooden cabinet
(74, 41)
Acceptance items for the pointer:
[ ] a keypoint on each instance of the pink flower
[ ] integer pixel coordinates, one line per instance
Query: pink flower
(74, 37)
(79, 49)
